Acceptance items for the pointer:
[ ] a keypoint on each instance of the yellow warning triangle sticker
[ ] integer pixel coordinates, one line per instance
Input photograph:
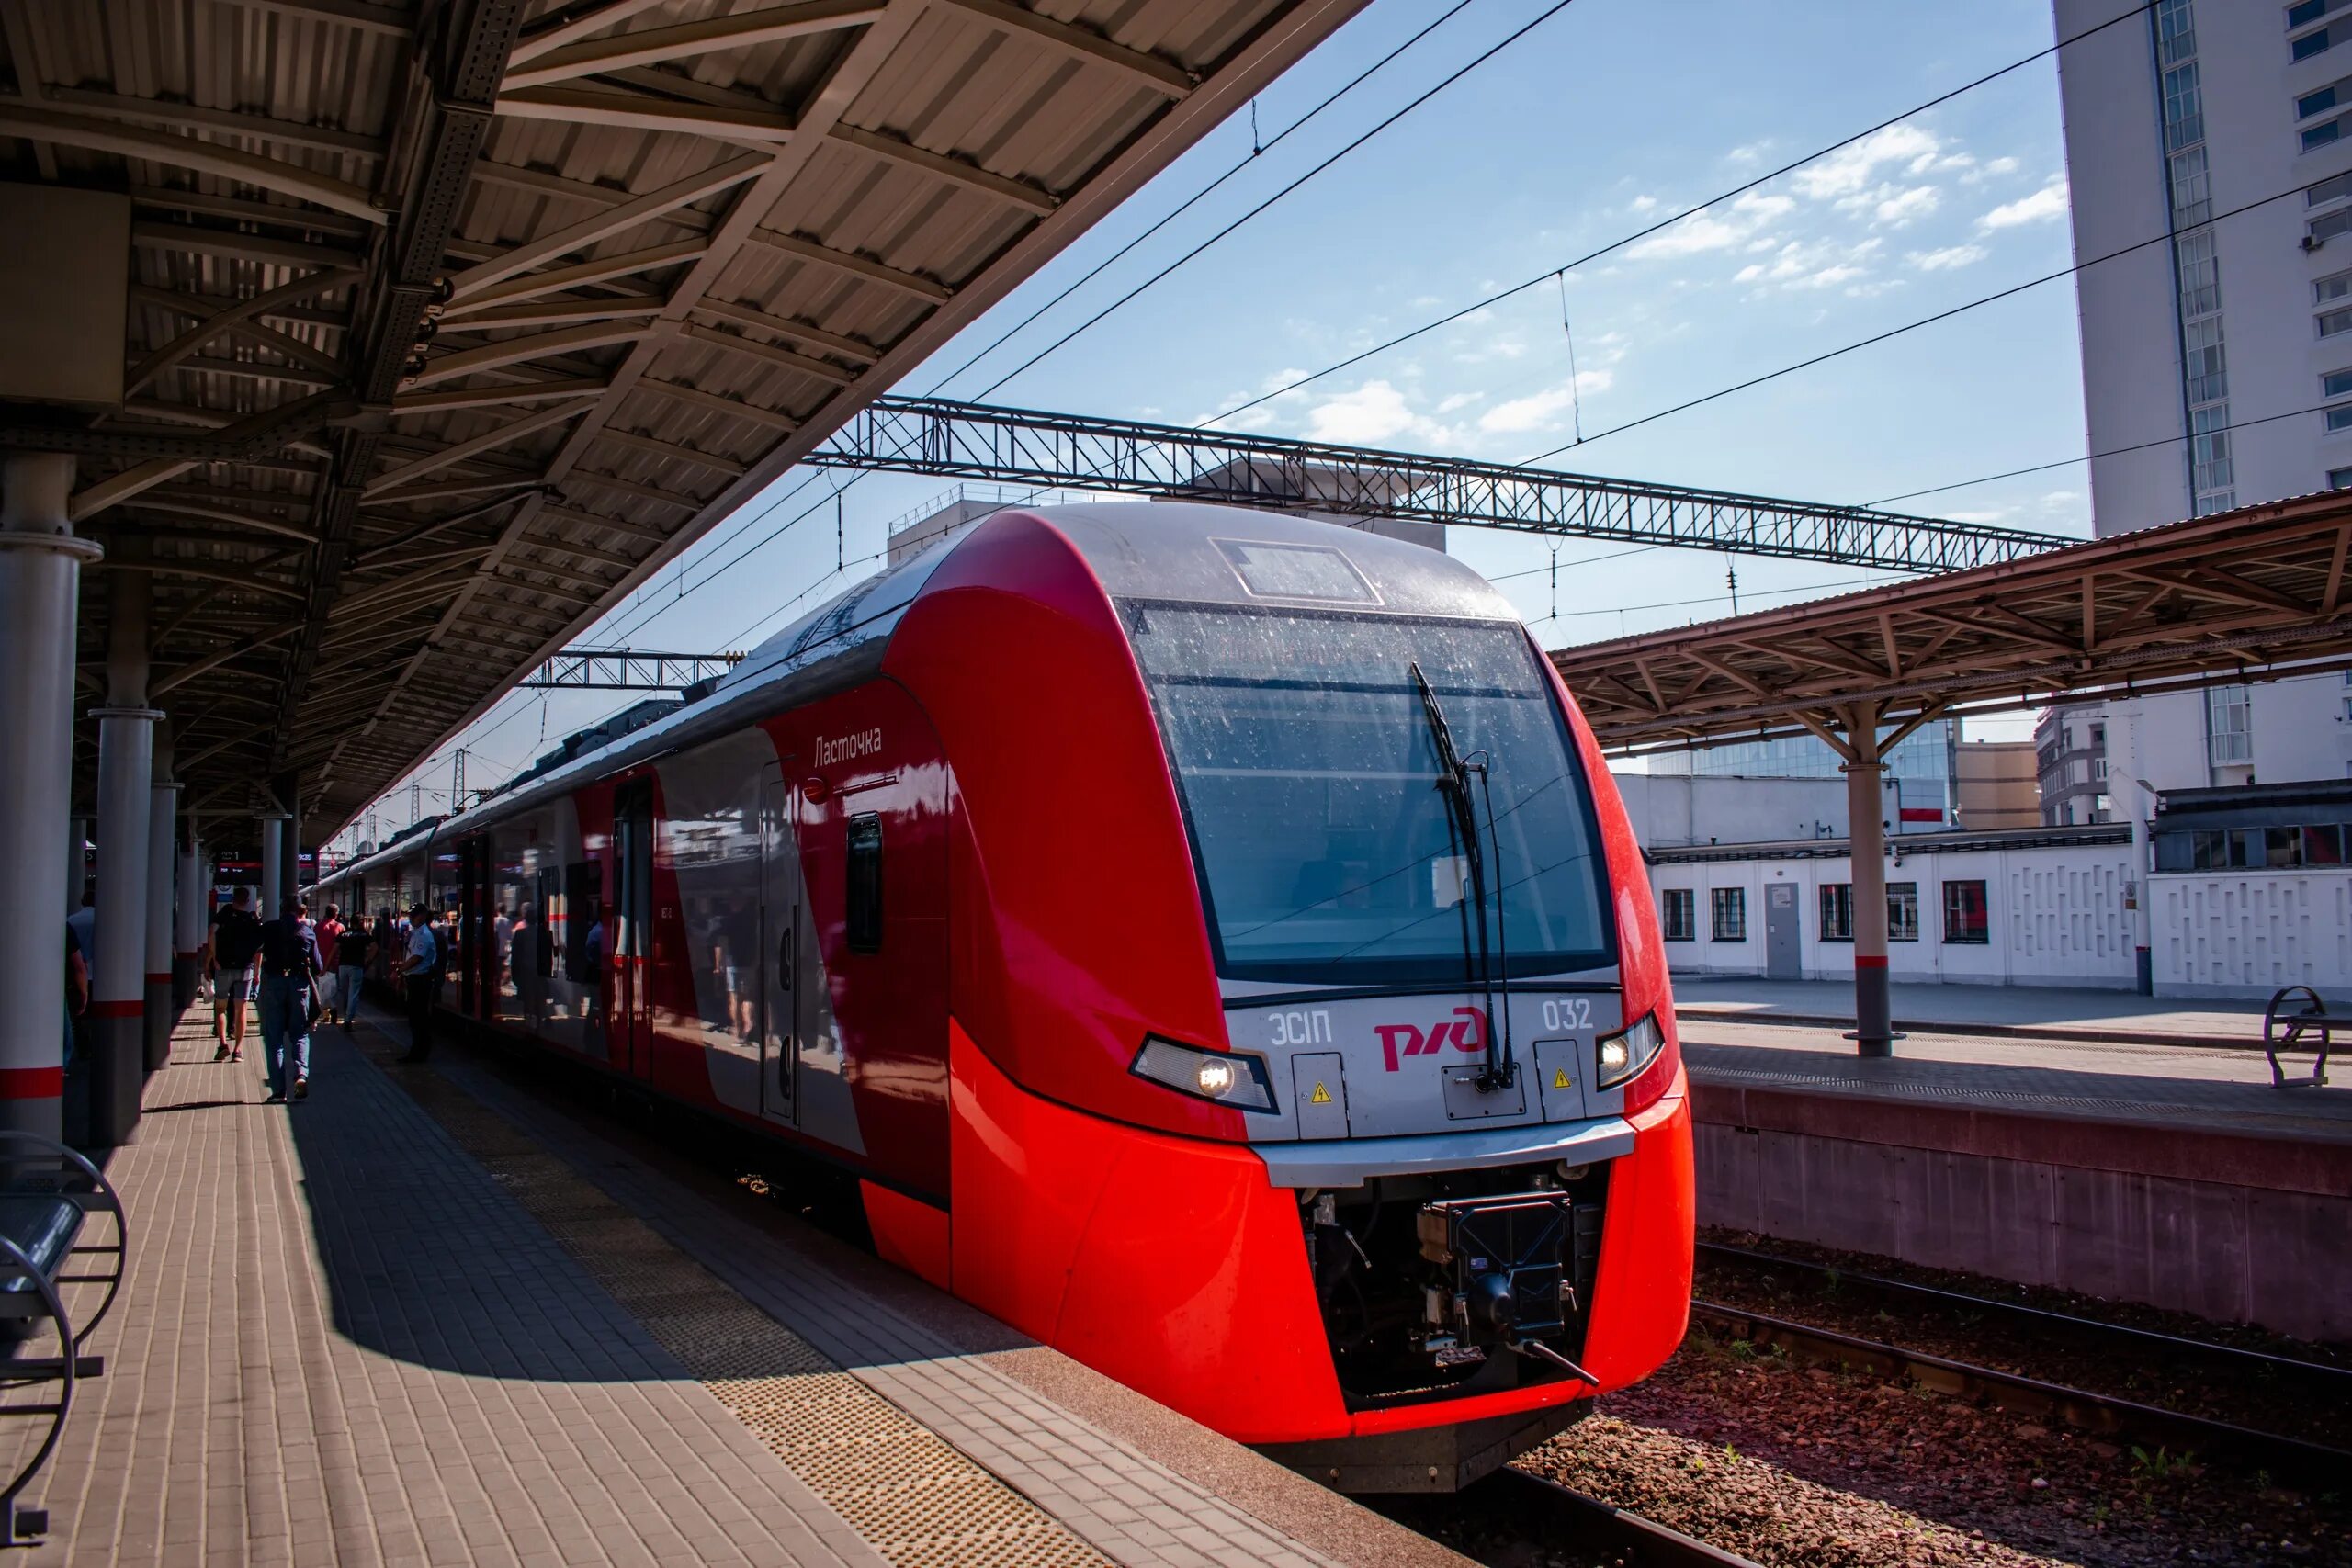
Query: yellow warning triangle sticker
(1560, 1078)
(1320, 1097)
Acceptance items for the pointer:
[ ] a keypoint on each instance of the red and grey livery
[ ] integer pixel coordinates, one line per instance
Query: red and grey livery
(1211, 937)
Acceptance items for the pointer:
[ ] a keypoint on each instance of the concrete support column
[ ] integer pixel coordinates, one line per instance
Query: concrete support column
(41, 572)
(188, 910)
(126, 803)
(77, 862)
(1874, 1014)
(272, 825)
(163, 828)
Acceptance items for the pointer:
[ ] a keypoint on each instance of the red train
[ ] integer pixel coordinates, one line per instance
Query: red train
(1211, 938)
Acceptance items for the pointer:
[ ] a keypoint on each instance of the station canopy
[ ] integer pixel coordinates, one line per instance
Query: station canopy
(446, 324)
(2255, 594)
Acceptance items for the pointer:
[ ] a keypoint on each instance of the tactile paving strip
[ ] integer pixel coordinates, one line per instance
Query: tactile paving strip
(916, 1500)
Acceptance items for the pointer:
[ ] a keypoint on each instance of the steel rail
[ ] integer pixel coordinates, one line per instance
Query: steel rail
(2337, 1380)
(2313, 1463)
(1552, 1507)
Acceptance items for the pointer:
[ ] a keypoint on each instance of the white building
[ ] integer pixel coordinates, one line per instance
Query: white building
(1673, 811)
(2176, 120)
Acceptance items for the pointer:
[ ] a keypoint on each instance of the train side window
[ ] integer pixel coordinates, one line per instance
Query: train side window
(864, 877)
(583, 890)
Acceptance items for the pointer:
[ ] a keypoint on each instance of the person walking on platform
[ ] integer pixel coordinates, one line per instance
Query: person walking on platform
(231, 948)
(352, 949)
(289, 972)
(421, 976)
(328, 932)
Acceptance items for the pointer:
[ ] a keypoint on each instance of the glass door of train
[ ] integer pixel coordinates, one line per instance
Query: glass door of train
(781, 936)
(630, 1037)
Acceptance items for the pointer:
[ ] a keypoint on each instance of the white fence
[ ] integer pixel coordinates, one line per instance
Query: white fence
(2246, 933)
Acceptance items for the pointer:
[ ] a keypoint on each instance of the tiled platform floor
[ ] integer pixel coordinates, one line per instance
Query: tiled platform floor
(427, 1316)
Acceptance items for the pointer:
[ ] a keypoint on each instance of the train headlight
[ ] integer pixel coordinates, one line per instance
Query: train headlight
(1239, 1081)
(1623, 1054)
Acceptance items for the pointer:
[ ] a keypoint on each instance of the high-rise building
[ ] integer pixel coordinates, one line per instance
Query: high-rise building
(2223, 131)
(1922, 769)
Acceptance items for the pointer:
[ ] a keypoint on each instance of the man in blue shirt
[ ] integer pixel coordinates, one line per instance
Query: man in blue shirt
(289, 962)
(420, 971)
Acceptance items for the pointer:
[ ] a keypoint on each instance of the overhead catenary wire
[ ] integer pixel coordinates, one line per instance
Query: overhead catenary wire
(1645, 232)
(1442, 84)
(2167, 237)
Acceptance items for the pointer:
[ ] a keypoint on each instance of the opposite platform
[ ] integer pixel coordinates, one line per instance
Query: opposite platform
(398, 1322)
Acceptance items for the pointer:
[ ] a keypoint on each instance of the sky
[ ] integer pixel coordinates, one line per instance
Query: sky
(1598, 121)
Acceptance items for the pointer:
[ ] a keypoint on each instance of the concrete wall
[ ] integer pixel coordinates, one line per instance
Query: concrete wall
(2246, 933)
(2229, 1226)
(2056, 917)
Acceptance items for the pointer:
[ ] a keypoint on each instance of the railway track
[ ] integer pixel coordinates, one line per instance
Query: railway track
(2285, 1457)
(1557, 1512)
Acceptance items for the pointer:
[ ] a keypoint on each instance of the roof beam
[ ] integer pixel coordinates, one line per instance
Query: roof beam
(671, 451)
(562, 312)
(493, 397)
(639, 111)
(233, 123)
(785, 326)
(239, 246)
(520, 350)
(726, 406)
(1162, 76)
(705, 36)
(768, 353)
(603, 225)
(222, 321)
(929, 290)
(574, 23)
(558, 513)
(396, 21)
(531, 286)
(186, 153)
(506, 434)
(971, 176)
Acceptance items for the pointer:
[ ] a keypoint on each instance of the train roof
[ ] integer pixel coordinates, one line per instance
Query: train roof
(1185, 551)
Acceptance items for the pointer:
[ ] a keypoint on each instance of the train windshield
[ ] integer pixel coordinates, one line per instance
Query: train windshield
(1310, 781)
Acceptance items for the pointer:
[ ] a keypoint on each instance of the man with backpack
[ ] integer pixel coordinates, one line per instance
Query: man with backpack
(231, 948)
(353, 950)
(289, 965)
(419, 973)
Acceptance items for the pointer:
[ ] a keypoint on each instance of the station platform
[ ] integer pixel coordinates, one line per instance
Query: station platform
(428, 1316)
(2173, 1174)
(2047, 1012)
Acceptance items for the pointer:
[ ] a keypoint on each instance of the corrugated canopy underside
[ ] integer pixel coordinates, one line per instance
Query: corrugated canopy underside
(440, 341)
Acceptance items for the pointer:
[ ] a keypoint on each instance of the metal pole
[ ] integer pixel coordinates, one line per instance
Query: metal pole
(77, 861)
(188, 922)
(41, 571)
(2143, 964)
(1873, 1025)
(162, 821)
(272, 864)
(126, 803)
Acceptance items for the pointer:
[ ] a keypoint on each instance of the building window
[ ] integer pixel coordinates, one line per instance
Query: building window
(2200, 274)
(2310, 44)
(2324, 132)
(2184, 107)
(2229, 726)
(2176, 30)
(1680, 909)
(2328, 225)
(1902, 911)
(1966, 919)
(2332, 323)
(2210, 450)
(2192, 191)
(1837, 911)
(2327, 191)
(2206, 369)
(2335, 287)
(2332, 95)
(1729, 908)
(2339, 478)
(2339, 417)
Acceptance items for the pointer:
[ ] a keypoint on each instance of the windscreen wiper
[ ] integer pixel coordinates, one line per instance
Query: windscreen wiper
(1455, 782)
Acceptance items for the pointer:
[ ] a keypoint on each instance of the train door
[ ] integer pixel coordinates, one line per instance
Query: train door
(630, 1010)
(472, 894)
(781, 933)
(1781, 949)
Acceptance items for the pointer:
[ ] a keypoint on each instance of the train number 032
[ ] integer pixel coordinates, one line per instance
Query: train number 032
(1568, 1012)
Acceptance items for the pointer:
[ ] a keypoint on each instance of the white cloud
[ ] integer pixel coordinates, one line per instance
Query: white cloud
(1853, 168)
(1377, 411)
(1994, 515)
(1459, 401)
(1542, 411)
(1905, 207)
(1817, 264)
(1763, 209)
(2049, 201)
(1752, 153)
(2002, 166)
(1643, 204)
(1946, 258)
(1700, 233)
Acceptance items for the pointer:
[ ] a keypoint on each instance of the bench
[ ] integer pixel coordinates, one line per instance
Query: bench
(2297, 1020)
(48, 1194)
